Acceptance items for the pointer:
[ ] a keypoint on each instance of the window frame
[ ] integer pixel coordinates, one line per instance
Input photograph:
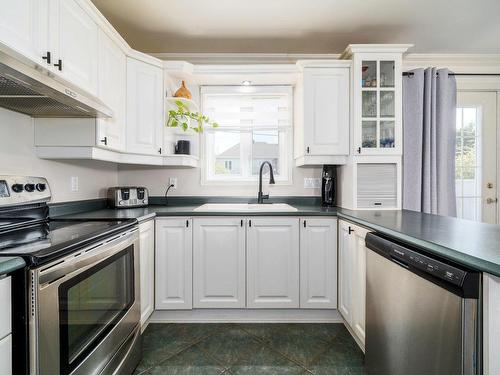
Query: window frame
(285, 139)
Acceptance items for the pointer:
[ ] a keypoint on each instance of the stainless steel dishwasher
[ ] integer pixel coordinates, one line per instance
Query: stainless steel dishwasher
(421, 313)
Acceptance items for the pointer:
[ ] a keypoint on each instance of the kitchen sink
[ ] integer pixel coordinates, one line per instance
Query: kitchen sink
(245, 207)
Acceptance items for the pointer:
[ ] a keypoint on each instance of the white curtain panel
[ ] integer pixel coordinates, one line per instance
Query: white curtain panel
(429, 115)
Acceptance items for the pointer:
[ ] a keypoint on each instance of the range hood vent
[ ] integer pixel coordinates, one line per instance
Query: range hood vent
(34, 92)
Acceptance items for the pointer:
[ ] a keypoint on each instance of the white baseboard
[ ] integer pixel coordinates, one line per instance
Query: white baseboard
(246, 316)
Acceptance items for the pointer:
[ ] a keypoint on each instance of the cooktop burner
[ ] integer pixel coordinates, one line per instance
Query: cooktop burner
(45, 241)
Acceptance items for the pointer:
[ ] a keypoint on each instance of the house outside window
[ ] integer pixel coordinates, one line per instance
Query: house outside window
(255, 125)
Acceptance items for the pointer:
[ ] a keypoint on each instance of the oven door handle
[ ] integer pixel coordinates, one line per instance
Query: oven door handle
(80, 263)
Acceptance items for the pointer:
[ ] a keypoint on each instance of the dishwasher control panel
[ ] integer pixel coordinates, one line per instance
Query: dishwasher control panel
(432, 266)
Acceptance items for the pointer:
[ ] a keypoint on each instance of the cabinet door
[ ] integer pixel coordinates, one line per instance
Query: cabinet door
(73, 36)
(318, 263)
(326, 111)
(219, 263)
(173, 264)
(6, 355)
(23, 27)
(144, 107)
(346, 261)
(112, 91)
(147, 255)
(359, 282)
(273, 263)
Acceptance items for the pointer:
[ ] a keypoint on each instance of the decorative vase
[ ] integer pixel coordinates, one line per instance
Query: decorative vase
(183, 92)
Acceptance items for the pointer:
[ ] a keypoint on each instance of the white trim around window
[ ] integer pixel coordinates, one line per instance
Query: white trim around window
(245, 122)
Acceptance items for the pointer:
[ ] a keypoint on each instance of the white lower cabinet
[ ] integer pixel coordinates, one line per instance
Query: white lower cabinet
(273, 263)
(352, 277)
(6, 355)
(219, 263)
(173, 264)
(147, 264)
(318, 263)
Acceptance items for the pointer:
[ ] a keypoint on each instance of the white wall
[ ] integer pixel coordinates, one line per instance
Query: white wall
(17, 156)
(157, 179)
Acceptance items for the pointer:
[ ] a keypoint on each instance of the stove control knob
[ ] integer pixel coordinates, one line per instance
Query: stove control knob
(17, 188)
(29, 187)
(41, 187)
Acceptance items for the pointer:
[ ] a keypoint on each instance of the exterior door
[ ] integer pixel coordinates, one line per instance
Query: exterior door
(273, 263)
(476, 156)
(219, 263)
(173, 264)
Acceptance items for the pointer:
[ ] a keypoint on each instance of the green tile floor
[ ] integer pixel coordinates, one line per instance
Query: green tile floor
(233, 349)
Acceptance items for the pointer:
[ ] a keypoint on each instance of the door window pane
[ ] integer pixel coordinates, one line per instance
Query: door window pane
(369, 74)
(369, 103)
(387, 134)
(386, 103)
(387, 74)
(468, 164)
(369, 134)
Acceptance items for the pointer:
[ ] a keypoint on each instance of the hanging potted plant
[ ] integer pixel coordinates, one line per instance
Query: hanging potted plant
(183, 118)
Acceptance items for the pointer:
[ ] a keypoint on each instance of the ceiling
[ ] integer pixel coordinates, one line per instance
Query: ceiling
(304, 26)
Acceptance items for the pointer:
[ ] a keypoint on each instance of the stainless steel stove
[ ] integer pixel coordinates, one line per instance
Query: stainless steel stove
(78, 311)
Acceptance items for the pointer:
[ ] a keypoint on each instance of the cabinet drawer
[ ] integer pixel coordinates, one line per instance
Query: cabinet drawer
(6, 355)
(5, 307)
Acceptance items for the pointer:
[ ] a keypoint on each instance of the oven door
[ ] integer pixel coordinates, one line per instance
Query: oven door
(86, 306)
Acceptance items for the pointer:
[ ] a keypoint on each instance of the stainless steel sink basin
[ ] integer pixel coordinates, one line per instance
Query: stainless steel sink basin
(245, 207)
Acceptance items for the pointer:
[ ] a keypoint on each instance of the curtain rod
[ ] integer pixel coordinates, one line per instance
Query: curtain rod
(410, 74)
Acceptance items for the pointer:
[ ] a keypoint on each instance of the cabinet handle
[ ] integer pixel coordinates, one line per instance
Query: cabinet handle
(159, 150)
(351, 230)
(249, 223)
(304, 223)
(59, 65)
(307, 149)
(104, 140)
(187, 223)
(241, 222)
(47, 57)
(359, 150)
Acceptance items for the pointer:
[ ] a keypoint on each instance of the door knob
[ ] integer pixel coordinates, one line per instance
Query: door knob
(491, 200)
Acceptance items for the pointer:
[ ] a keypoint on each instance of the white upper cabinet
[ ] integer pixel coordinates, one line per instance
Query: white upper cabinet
(112, 91)
(144, 108)
(147, 268)
(273, 263)
(318, 263)
(73, 40)
(173, 263)
(23, 28)
(322, 115)
(377, 98)
(219, 263)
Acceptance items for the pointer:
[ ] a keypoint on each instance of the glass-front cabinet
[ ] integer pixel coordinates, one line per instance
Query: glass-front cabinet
(377, 98)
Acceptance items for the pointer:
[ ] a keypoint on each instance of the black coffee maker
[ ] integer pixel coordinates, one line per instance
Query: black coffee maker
(329, 186)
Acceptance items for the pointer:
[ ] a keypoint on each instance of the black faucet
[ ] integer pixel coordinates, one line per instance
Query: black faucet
(261, 197)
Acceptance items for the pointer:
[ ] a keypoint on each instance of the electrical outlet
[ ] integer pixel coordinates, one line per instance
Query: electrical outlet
(74, 183)
(173, 181)
(312, 183)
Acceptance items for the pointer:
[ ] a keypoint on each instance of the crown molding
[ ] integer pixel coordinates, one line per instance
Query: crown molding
(458, 63)
(243, 58)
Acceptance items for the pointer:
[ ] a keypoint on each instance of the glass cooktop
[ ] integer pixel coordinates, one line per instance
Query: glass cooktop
(45, 241)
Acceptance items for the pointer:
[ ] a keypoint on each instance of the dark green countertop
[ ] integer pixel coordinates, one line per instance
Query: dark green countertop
(475, 245)
(10, 264)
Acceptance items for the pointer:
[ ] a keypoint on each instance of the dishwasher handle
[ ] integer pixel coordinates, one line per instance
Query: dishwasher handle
(454, 277)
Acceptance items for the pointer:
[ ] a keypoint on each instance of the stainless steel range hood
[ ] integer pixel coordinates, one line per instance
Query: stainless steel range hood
(33, 91)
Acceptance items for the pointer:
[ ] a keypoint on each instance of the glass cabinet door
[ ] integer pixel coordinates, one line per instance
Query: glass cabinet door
(378, 104)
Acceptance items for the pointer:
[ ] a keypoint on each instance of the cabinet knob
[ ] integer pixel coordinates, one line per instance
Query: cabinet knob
(104, 140)
(47, 57)
(59, 65)
(351, 230)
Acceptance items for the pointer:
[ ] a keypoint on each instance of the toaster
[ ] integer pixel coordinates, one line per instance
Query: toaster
(127, 196)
